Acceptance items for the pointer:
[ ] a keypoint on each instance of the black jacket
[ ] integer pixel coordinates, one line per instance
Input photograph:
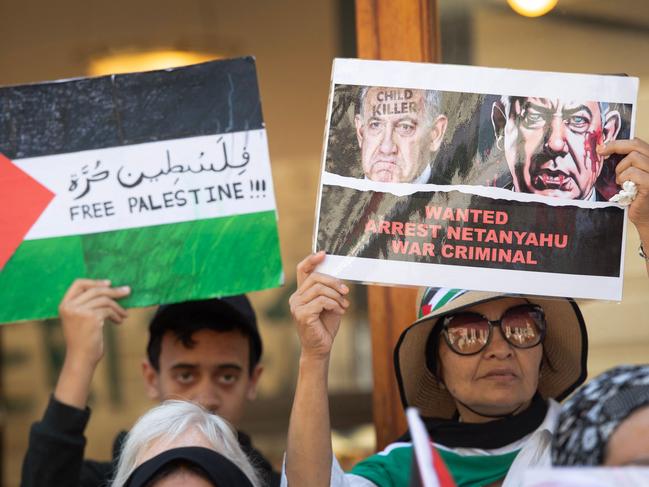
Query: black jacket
(57, 443)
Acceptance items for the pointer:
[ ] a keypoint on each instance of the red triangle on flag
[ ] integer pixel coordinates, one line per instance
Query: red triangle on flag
(443, 475)
(22, 201)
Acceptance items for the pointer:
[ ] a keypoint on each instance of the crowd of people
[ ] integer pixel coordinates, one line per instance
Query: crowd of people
(487, 371)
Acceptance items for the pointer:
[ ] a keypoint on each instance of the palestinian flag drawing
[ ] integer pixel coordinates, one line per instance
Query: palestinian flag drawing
(158, 180)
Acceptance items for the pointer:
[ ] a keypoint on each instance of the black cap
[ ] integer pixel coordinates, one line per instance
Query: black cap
(216, 467)
(232, 312)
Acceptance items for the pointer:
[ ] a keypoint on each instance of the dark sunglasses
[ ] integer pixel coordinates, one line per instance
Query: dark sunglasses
(468, 333)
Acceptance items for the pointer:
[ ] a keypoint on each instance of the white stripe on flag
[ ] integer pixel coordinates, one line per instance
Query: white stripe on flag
(154, 183)
(422, 448)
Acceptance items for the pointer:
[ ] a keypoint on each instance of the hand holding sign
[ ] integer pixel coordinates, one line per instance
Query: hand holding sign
(634, 167)
(85, 308)
(317, 307)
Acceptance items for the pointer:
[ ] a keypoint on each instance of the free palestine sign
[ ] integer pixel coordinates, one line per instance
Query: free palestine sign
(158, 180)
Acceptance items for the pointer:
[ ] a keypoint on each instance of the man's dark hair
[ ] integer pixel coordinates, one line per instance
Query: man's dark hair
(221, 315)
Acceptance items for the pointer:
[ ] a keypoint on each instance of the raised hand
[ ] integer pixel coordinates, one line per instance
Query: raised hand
(317, 307)
(85, 307)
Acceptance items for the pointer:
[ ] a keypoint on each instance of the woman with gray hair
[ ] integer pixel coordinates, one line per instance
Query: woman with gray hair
(180, 442)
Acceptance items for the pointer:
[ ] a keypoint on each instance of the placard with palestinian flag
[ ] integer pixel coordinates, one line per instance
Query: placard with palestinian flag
(158, 180)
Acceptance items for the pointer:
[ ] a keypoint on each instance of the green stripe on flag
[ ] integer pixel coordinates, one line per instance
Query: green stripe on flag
(37, 276)
(450, 295)
(162, 264)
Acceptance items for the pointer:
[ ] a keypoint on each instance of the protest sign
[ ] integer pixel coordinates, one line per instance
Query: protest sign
(158, 180)
(474, 178)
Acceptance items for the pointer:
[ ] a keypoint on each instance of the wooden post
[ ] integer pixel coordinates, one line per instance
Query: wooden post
(404, 30)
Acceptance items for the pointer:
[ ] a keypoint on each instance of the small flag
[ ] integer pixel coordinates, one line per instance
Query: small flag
(428, 468)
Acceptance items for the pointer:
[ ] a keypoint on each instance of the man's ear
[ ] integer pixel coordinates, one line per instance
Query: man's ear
(358, 122)
(498, 119)
(437, 132)
(151, 381)
(251, 393)
(612, 124)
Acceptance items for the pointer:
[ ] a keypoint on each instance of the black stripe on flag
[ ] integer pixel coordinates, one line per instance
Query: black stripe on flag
(92, 113)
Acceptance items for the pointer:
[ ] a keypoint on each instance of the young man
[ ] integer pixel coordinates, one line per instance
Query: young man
(203, 351)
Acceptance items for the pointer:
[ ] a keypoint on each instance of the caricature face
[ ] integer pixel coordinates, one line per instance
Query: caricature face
(396, 136)
(550, 145)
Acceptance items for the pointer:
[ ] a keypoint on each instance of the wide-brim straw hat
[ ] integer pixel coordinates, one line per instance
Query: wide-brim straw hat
(565, 347)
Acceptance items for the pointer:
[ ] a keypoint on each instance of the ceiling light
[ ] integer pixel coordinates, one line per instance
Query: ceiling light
(532, 8)
(132, 61)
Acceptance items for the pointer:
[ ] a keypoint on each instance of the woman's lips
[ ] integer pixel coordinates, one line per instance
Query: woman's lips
(500, 374)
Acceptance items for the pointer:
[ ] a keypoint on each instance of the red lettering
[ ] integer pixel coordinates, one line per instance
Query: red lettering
(429, 249)
(518, 257)
(460, 252)
(453, 232)
(519, 237)
(433, 212)
(414, 248)
(467, 233)
(410, 229)
(399, 246)
(531, 240)
(505, 236)
(504, 255)
(482, 253)
(561, 244)
(447, 251)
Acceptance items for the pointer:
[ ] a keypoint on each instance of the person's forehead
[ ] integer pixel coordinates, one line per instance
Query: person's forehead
(192, 436)
(628, 442)
(210, 348)
(560, 104)
(378, 94)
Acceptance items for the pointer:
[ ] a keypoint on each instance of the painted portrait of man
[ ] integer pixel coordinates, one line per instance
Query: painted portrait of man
(398, 132)
(550, 144)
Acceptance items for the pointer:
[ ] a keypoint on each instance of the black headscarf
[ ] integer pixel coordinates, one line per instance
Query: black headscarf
(217, 468)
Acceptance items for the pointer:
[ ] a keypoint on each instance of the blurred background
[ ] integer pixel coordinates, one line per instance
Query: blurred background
(294, 42)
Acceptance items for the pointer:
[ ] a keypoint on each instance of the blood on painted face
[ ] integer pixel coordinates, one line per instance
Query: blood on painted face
(550, 147)
(395, 135)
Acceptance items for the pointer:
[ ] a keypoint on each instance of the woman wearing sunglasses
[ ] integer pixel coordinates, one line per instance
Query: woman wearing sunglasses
(485, 370)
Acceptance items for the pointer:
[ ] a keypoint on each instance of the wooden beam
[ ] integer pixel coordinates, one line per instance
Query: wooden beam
(404, 30)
